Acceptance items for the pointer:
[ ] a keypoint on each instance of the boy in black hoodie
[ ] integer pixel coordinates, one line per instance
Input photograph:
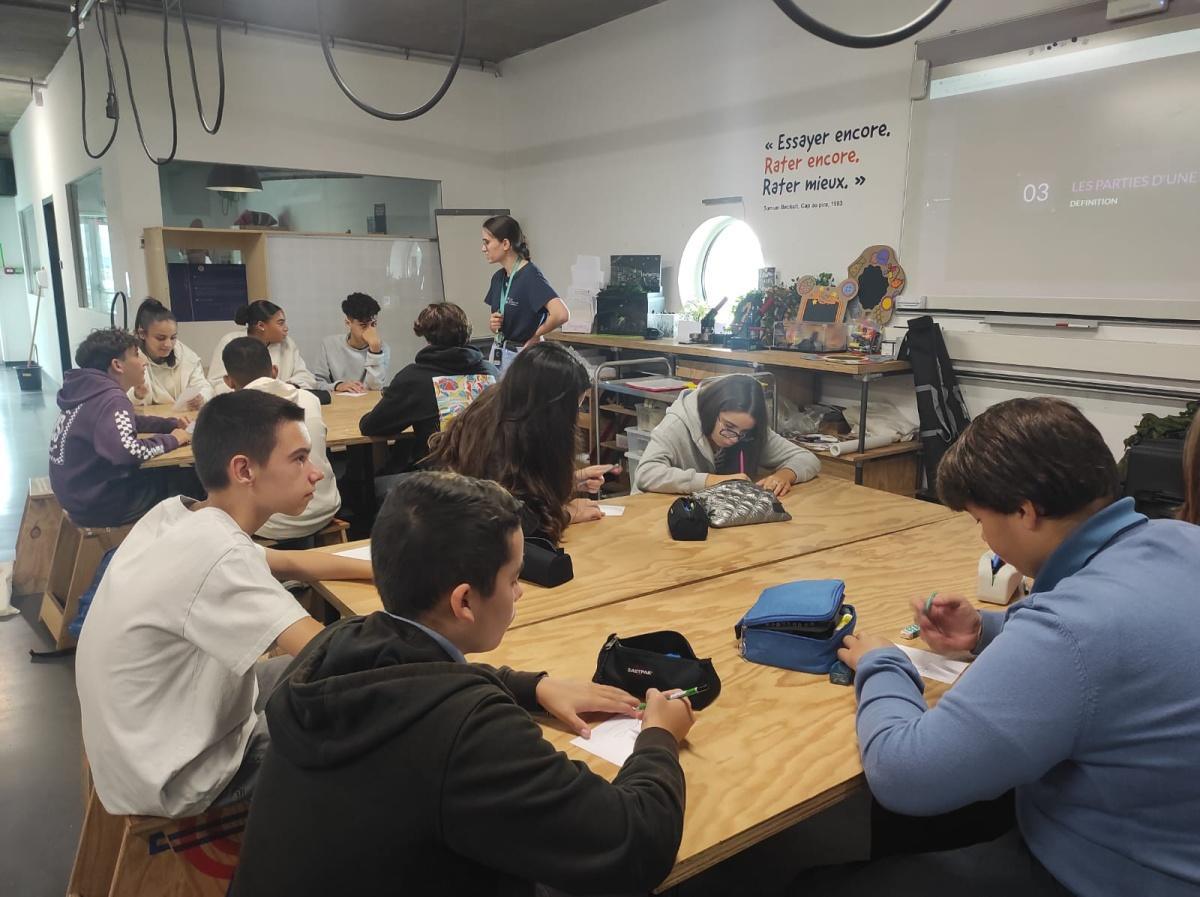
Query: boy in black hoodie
(95, 452)
(396, 767)
(411, 399)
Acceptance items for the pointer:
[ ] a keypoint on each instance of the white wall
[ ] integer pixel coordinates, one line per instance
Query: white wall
(617, 134)
(14, 316)
(283, 109)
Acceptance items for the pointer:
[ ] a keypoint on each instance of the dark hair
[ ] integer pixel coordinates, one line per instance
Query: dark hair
(246, 359)
(360, 307)
(523, 433)
(435, 531)
(238, 423)
(257, 312)
(504, 227)
(740, 393)
(443, 324)
(100, 347)
(151, 311)
(1039, 450)
(1191, 474)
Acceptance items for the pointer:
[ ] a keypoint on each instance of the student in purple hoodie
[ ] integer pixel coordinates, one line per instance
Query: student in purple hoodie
(95, 451)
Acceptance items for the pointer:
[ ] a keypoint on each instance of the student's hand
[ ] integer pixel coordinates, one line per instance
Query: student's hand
(195, 402)
(182, 421)
(714, 478)
(584, 510)
(674, 716)
(182, 435)
(855, 646)
(565, 699)
(140, 392)
(371, 334)
(590, 479)
(779, 482)
(496, 321)
(951, 626)
(353, 386)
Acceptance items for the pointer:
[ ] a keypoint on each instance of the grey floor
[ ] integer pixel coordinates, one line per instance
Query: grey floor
(40, 795)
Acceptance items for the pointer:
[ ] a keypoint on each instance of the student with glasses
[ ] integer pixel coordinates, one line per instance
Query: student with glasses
(719, 432)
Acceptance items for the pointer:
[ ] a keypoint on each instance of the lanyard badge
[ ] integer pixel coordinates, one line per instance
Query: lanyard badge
(499, 338)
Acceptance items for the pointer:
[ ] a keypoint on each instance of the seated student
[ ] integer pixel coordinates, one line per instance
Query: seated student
(524, 434)
(171, 367)
(1191, 474)
(170, 684)
(357, 360)
(719, 432)
(265, 322)
(446, 367)
(248, 366)
(95, 452)
(437, 779)
(1084, 697)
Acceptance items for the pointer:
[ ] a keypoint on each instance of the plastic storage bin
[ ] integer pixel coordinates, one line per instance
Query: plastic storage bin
(638, 439)
(649, 415)
(631, 465)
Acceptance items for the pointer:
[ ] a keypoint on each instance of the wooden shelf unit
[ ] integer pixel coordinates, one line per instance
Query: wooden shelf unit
(251, 243)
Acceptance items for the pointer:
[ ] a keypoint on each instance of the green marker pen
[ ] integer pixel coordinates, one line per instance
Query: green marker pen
(691, 692)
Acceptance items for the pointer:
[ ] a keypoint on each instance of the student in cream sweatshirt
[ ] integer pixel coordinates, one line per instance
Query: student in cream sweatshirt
(171, 367)
(265, 322)
(719, 432)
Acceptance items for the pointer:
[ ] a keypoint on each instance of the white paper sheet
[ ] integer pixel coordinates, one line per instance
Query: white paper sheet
(181, 403)
(612, 739)
(362, 553)
(612, 510)
(934, 666)
(353, 395)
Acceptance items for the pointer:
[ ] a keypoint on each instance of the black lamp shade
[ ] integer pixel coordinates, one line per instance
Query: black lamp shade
(234, 179)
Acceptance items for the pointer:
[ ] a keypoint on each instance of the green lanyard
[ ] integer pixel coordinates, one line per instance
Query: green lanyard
(499, 338)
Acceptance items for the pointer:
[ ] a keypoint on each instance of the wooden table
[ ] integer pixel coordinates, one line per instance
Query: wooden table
(777, 746)
(618, 558)
(341, 417)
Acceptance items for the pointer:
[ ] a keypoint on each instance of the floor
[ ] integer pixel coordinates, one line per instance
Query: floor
(40, 793)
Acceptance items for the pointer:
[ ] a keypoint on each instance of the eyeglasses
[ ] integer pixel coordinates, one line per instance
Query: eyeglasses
(729, 431)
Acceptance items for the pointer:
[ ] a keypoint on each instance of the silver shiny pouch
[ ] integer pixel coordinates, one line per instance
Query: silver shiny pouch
(740, 503)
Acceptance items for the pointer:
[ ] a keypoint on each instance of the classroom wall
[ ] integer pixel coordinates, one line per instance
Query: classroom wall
(617, 134)
(14, 317)
(282, 109)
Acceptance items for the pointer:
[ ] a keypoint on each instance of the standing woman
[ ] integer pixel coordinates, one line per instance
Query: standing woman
(266, 322)
(171, 367)
(524, 305)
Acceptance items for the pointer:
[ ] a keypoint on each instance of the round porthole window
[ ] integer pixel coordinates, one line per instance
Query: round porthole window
(721, 258)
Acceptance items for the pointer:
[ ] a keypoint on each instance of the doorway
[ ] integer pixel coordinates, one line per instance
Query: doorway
(60, 300)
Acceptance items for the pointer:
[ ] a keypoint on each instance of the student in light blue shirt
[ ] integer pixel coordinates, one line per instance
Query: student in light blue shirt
(1084, 698)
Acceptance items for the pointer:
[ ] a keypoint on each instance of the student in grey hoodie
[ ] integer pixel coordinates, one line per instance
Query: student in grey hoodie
(719, 432)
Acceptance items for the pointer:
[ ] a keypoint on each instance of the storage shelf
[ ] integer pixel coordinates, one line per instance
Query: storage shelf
(618, 409)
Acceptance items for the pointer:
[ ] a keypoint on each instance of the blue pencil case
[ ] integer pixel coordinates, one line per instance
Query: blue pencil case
(797, 625)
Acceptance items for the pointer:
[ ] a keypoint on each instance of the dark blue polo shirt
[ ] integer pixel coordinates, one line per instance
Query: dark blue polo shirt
(525, 309)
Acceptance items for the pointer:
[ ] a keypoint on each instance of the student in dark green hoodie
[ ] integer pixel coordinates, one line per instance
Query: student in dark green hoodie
(397, 767)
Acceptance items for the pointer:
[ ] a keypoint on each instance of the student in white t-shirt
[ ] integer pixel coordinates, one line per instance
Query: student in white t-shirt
(170, 684)
(248, 366)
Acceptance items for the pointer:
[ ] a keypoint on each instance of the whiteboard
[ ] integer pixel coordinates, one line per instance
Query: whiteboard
(311, 275)
(465, 272)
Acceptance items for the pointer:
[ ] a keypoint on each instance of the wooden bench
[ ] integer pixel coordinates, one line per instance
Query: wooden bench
(131, 856)
(77, 554)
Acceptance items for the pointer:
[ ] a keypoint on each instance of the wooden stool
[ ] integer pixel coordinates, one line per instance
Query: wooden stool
(334, 533)
(36, 538)
(128, 856)
(77, 554)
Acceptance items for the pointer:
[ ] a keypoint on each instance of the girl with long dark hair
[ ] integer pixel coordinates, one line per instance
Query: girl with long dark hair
(524, 305)
(719, 432)
(265, 322)
(171, 367)
(523, 433)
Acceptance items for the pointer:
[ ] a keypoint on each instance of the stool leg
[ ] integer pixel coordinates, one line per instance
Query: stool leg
(96, 856)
